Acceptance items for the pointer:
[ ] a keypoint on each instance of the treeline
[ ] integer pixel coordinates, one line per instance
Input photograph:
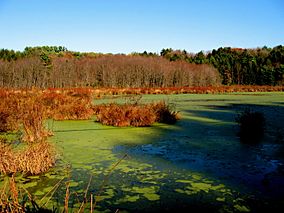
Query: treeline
(52, 66)
(260, 66)
(46, 67)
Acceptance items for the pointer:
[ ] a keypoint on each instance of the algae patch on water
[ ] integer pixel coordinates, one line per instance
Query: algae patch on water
(168, 165)
(149, 193)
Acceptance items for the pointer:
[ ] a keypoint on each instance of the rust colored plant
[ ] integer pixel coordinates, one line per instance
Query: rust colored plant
(164, 114)
(8, 162)
(33, 159)
(7, 121)
(9, 112)
(37, 158)
(125, 115)
(33, 122)
(68, 104)
(9, 197)
(135, 115)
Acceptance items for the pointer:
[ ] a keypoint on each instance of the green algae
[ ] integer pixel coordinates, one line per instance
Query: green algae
(221, 199)
(148, 192)
(196, 177)
(241, 208)
(128, 198)
(184, 181)
(39, 193)
(193, 187)
(73, 184)
(197, 187)
(135, 193)
(107, 194)
(30, 184)
(152, 196)
(89, 148)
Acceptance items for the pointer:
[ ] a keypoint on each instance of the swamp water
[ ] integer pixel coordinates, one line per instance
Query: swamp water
(196, 164)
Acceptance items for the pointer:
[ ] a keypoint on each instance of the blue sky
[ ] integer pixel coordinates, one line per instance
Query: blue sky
(125, 26)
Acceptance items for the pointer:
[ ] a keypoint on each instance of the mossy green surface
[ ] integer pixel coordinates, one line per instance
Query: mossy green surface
(163, 162)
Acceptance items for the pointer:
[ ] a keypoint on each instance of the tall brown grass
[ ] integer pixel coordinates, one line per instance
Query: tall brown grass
(101, 92)
(125, 115)
(12, 196)
(68, 104)
(10, 111)
(34, 159)
(9, 197)
(164, 113)
(33, 117)
(135, 115)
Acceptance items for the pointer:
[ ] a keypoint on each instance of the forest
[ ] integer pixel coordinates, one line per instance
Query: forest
(57, 67)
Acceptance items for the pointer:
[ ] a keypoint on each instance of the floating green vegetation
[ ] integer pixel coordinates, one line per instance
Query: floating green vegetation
(241, 208)
(193, 187)
(91, 149)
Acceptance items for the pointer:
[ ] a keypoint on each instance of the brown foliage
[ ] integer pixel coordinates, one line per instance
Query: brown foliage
(9, 197)
(34, 159)
(37, 158)
(72, 104)
(125, 115)
(134, 114)
(24, 108)
(33, 122)
(29, 109)
(7, 121)
(186, 90)
(8, 163)
(164, 113)
(10, 112)
(105, 71)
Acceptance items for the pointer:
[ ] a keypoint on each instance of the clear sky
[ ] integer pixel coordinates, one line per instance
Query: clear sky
(125, 26)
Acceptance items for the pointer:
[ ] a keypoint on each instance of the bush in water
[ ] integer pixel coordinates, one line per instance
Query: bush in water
(252, 125)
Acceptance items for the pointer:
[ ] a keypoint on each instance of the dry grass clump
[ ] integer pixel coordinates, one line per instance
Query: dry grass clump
(35, 159)
(70, 105)
(10, 111)
(9, 197)
(26, 111)
(8, 122)
(101, 92)
(8, 163)
(135, 115)
(164, 113)
(33, 116)
(125, 115)
(16, 107)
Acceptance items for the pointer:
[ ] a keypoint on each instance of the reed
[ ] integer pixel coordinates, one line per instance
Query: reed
(33, 117)
(125, 115)
(8, 163)
(34, 159)
(68, 105)
(164, 113)
(9, 197)
(135, 115)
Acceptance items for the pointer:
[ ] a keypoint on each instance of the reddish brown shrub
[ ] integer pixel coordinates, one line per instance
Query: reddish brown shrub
(8, 122)
(164, 114)
(135, 115)
(8, 162)
(33, 122)
(68, 104)
(36, 158)
(125, 115)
